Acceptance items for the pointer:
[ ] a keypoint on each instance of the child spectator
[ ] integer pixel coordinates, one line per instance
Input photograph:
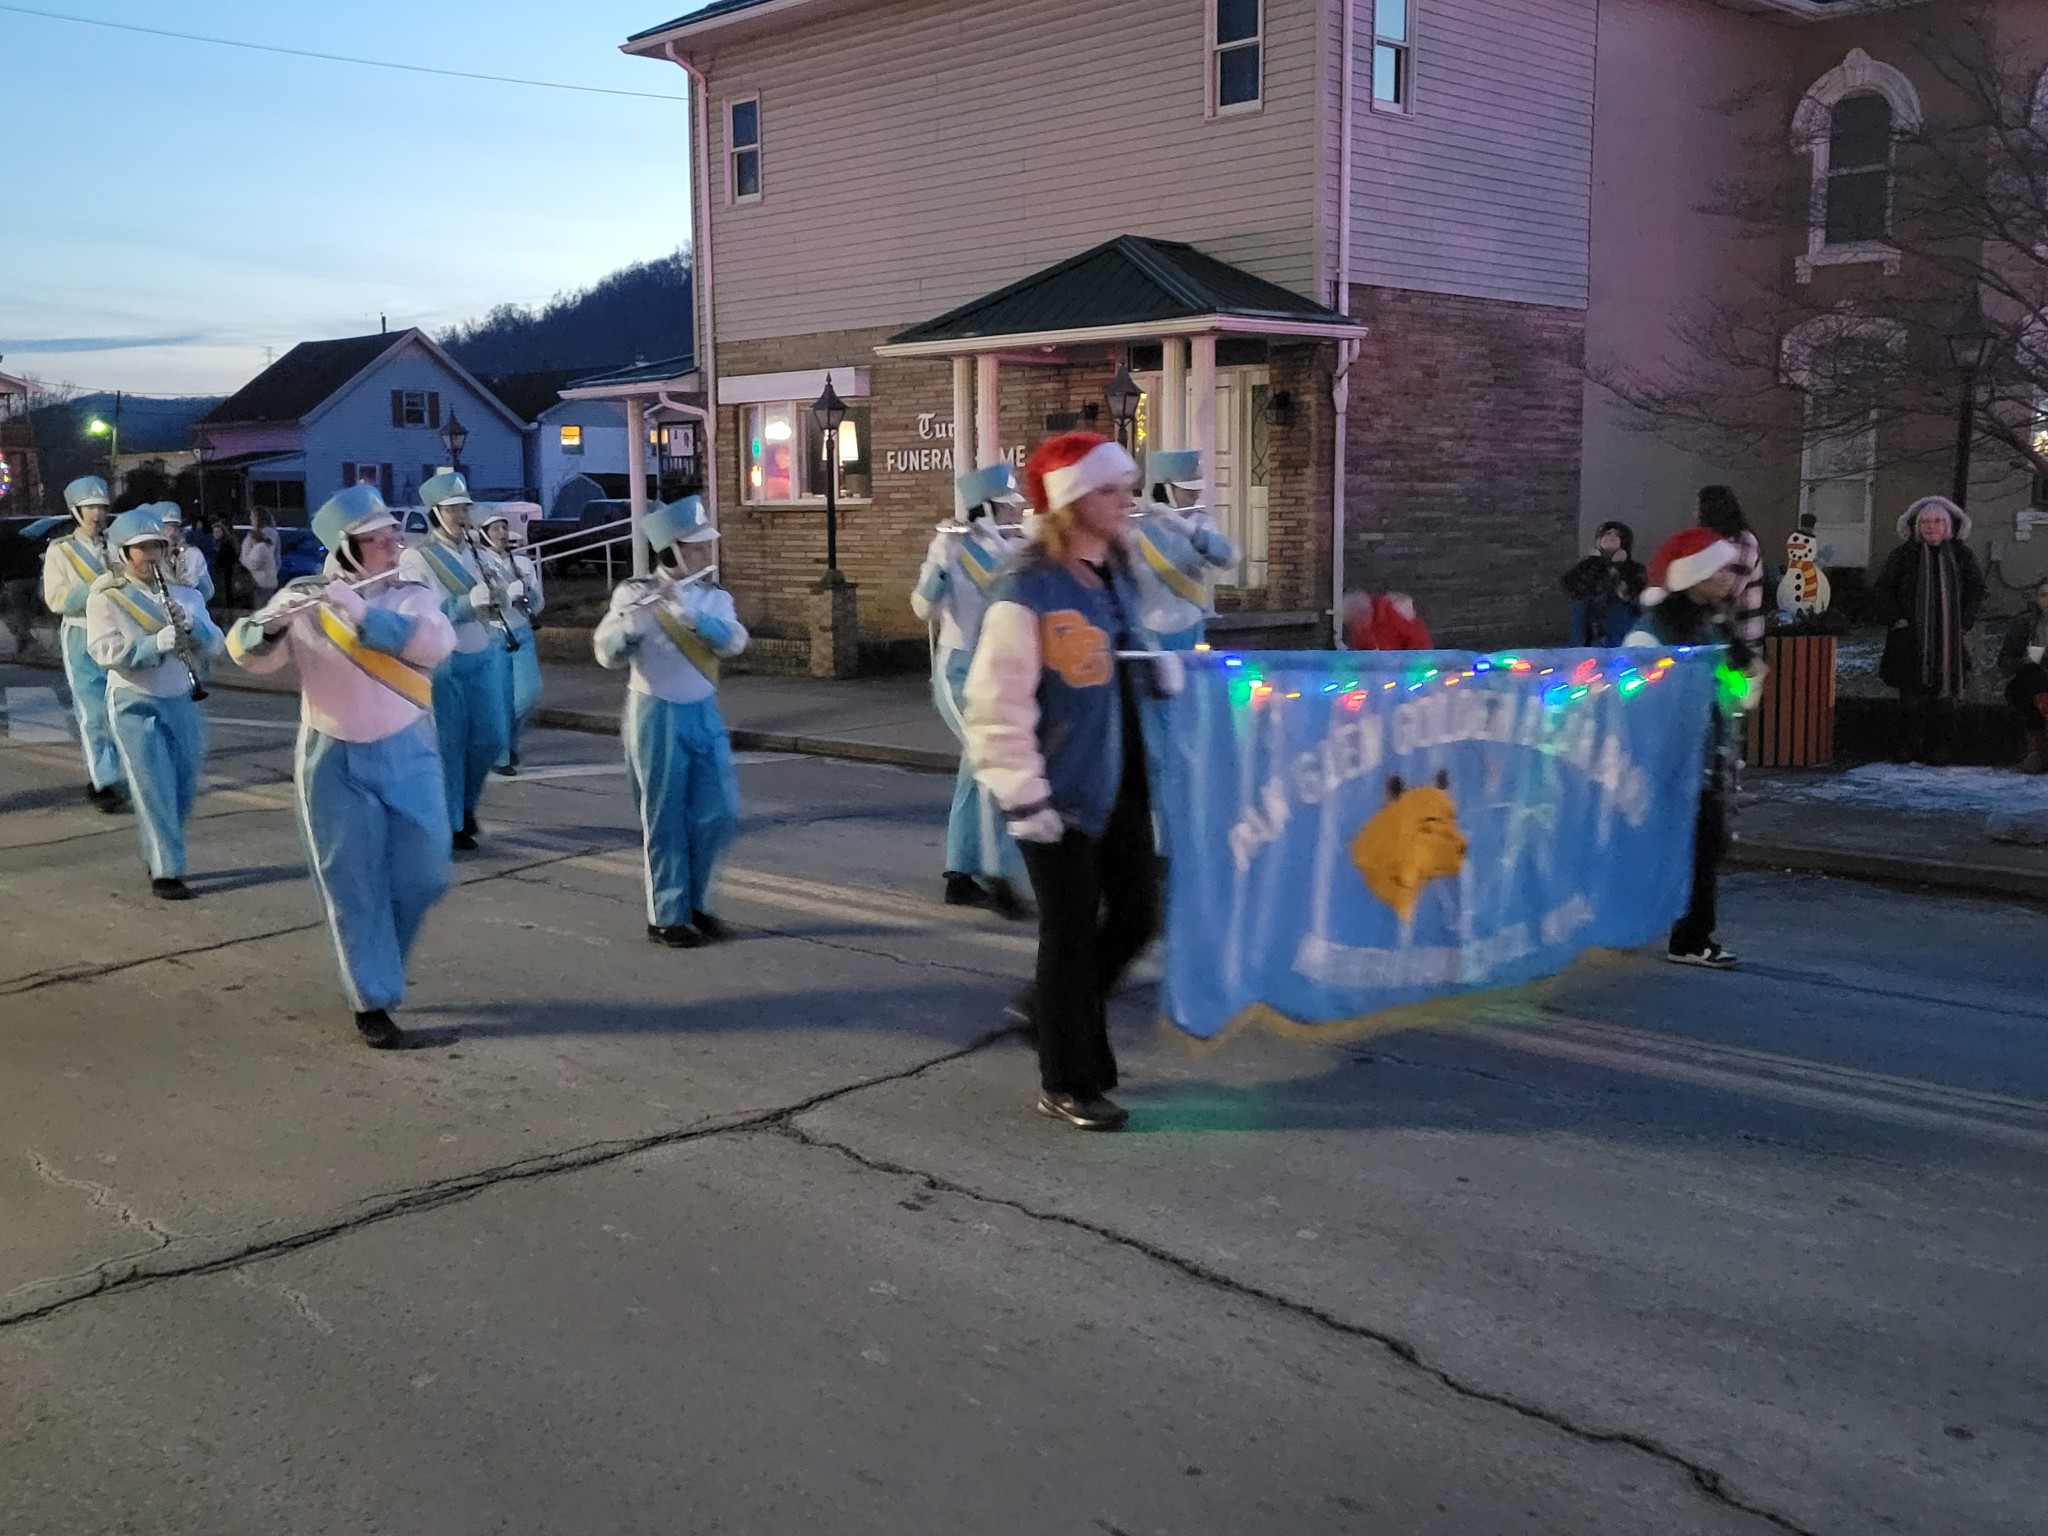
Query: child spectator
(1606, 588)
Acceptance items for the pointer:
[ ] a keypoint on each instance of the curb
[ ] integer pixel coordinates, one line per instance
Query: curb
(918, 759)
(1892, 869)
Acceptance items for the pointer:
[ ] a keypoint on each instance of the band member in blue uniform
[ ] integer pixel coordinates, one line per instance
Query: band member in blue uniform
(1177, 545)
(517, 576)
(186, 566)
(70, 566)
(952, 591)
(371, 807)
(673, 629)
(470, 690)
(153, 636)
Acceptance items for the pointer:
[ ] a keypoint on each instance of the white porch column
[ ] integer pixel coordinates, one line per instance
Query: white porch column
(636, 474)
(963, 415)
(1171, 423)
(1202, 429)
(988, 410)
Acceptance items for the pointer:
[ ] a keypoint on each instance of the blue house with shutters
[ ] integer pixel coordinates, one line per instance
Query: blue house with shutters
(360, 409)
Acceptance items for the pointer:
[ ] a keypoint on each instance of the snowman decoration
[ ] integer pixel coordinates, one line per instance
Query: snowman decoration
(1804, 589)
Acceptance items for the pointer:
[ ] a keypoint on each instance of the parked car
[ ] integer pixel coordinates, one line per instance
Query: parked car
(574, 552)
(298, 554)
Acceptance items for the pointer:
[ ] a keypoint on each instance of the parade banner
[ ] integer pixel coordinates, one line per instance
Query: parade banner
(1350, 831)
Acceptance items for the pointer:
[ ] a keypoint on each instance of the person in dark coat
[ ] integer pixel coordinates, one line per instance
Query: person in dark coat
(1929, 592)
(1606, 588)
(2020, 660)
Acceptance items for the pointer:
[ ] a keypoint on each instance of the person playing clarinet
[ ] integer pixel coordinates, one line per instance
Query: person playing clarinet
(517, 576)
(70, 566)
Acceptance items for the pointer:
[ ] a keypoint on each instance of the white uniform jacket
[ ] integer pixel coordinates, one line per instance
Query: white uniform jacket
(632, 633)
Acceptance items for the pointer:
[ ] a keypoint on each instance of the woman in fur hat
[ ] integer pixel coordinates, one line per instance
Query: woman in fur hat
(1929, 591)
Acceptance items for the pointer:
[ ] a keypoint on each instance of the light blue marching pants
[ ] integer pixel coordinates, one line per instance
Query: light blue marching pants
(524, 668)
(87, 680)
(374, 824)
(162, 743)
(679, 761)
(1184, 639)
(471, 723)
(977, 841)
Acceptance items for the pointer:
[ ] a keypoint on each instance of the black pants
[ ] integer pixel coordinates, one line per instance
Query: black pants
(1929, 725)
(2027, 685)
(1098, 907)
(1709, 842)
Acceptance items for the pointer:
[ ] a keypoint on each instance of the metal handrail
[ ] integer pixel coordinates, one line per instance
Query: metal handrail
(586, 541)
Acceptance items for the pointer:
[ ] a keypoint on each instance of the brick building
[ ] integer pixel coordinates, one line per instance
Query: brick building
(20, 485)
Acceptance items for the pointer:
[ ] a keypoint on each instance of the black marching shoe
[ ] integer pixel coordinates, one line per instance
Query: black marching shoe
(465, 840)
(1090, 1114)
(714, 929)
(377, 1030)
(1709, 956)
(172, 889)
(963, 891)
(676, 936)
(1004, 901)
(108, 799)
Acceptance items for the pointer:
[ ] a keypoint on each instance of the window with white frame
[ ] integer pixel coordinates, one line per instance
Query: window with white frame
(783, 458)
(743, 149)
(1392, 54)
(1849, 123)
(1858, 190)
(1236, 55)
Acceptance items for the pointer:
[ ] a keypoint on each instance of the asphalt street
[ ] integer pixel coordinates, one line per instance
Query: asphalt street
(766, 1238)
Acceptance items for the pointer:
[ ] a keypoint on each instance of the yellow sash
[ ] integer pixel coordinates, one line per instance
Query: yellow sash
(448, 570)
(88, 568)
(408, 682)
(1175, 578)
(139, 607)
(972, 557)
(695, 651)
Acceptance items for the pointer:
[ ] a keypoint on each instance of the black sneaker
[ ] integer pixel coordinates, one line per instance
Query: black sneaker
(109, 799)
(1709, 956)
(464, 841)
(713, 928)
(377, 1030)
(1005, 902)
(1092, 1114)
(676, 936)
(507, 770)
(170, 890)
(963, 891)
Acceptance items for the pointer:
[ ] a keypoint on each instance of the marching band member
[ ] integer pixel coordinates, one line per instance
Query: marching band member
(369, 786)
(1177, 546)
(1052, 727)
(960, 570)
(153, 635)
(470, 714)
(673, 628)
(518, 577)
(187, 567)
(70, 566)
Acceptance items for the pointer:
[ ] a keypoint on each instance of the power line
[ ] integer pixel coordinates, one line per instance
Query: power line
(334, 58)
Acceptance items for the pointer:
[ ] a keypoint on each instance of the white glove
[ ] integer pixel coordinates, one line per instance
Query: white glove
(272, 619)
(346, 601)
(2035, 652)
(515, 591)
(1041, 826)
(480, 596)
(167, 640)
(1169, 674)
(626, 594)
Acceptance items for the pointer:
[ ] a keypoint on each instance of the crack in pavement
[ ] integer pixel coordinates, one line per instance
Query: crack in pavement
(111, 1279)
(1705, 1479)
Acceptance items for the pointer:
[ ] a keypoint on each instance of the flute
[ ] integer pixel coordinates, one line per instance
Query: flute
(665, 589)
(304, 599)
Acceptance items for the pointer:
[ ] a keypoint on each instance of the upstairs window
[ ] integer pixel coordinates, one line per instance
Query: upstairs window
(743, 149)
(1236, 54)
(572, 439)
(415, 408)
(1859, 173)
(1390, 55)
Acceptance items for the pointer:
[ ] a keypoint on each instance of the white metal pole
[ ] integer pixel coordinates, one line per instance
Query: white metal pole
(636, 476)
(963, 419)
(988, 410)
(1347, 351)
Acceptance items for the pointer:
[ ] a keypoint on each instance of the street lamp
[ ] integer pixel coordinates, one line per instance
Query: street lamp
(1969, 344)
(100, 426)
(830, 411)
(453, 437)
(1123, 395)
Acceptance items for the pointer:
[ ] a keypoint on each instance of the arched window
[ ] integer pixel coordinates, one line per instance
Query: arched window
(1850, 122)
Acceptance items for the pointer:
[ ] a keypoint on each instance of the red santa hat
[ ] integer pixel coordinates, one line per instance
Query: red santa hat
(1065, 468)
(1685, 560)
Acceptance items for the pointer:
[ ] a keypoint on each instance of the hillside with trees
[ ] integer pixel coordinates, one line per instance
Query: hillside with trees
(638, 311)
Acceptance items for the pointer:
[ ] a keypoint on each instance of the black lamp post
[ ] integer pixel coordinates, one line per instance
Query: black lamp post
(453, 437)
(830, 411)
(1123, 395)
(1969, 344)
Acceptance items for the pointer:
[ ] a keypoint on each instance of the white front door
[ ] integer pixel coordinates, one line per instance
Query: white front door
(1237, 478)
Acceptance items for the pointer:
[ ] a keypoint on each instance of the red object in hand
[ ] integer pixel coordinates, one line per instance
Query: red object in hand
(1388, 622)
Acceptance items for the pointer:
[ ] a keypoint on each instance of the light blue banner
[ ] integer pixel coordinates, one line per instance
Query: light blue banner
(1350, 831)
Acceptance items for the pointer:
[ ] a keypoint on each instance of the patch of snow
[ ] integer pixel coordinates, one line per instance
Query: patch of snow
(1913, 787)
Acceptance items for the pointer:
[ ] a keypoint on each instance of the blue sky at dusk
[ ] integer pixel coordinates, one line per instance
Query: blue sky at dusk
(174, 208)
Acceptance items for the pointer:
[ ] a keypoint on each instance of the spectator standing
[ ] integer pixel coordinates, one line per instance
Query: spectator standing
(1606, 588)
(1929, 591)
(1384, 621)
(2026, 688)
(21, 573)
(224, 562)
(259, 558)
(1721, 513)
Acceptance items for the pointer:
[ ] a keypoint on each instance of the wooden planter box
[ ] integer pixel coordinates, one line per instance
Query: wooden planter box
(1794, 724)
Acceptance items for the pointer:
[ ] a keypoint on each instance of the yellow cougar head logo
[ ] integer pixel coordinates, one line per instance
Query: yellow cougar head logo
(1410, 841)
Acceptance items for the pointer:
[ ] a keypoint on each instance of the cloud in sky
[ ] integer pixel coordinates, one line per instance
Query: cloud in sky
(57, 345)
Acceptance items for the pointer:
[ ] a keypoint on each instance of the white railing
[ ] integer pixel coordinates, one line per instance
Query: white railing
(608, 537)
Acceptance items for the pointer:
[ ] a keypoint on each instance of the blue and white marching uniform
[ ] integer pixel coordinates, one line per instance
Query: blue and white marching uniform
(1176, 548)
(371, 808)
(158, 730)
(471, 717)
(678, 757)
(518, 576)
(953, 588)
(189, 567)
(70, 566)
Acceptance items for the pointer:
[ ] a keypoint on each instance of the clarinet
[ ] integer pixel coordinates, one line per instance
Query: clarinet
(185, 650)
(499, 600)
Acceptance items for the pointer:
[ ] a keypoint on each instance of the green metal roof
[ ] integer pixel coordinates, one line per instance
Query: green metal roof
(1126, 281)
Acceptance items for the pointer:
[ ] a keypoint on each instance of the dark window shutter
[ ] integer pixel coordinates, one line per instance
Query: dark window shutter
(384, 481)
(348, 474)
(398, 407)
(426, 473)
(434, 408)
